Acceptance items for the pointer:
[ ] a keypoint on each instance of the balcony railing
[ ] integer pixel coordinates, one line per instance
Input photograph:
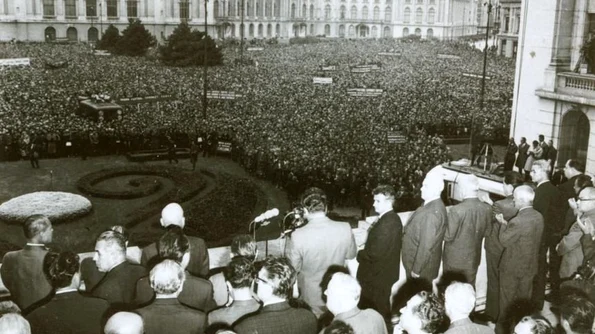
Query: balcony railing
(581, 85)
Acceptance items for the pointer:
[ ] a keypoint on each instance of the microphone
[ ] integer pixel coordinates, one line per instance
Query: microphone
(263, 218)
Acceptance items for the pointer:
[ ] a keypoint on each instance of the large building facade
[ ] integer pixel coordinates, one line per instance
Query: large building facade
(85, 20)
(554, 86)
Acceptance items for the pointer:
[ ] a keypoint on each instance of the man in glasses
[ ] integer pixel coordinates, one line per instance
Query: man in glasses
(586, 220)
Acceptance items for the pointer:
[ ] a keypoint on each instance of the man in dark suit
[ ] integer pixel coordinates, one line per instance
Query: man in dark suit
(549, 202)
(119, 283)
(196, 292)
(173, 214)
(521, 239)
(166, 314)
(572, 169)
(379, 261)
(22, 271)
(316, 246)
(468, 224)
(510, 156)
(424, 233)
(552, 155)
(545, 149)
(522, 157)
(275, 281)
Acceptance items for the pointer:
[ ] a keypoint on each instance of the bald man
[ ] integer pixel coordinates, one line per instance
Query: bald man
(467, 225)
(173, 215)
(521, 239)
(124, 323)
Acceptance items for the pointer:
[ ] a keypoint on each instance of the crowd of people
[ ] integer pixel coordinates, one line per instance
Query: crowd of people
(283, 126)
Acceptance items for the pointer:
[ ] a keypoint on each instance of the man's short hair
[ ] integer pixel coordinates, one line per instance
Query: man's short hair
(573, 163)
(430, 311)
(541, 137)
(124, 323)
(469, 182)
(281, 274)
(240, 272)
(539, 325)
(542, 165)
(328, 275)
(36, 225)
(347, 284)
(14, 323)
(459, 298)
(385, 190)
(59, 268)
(8, 306)
(173, 244)
(114, 241)
(514, 179)
(244, 245)
(167, 277)
(314, 199)
(578, 311)
(526, 194)
(122, 230)
(339, 327)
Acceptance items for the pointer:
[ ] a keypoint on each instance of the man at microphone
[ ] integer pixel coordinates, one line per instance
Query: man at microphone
(321, 243)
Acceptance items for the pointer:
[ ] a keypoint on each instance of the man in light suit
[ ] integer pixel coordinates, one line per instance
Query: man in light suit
(22, 271)
(424, 233)
(379, 261)
(316, 246)
(173, 214)
(468, 224)
(459, 302)
(521, 239)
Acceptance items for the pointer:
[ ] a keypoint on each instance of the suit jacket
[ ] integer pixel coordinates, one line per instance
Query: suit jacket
(69, 313)
(379, 261)
(492, 243)
(466, 326)
(230, 314)
(22, 274)
(119, 284)
(567, 192)
(521, 239)
(522, 157)
(550, 203)
(468, 224)
(197, 293)
(422, 240)
(366, 321)
(199, 257)
(313, 248)
(278, 318)
(571, 251)
(171, 317)
(587, 242)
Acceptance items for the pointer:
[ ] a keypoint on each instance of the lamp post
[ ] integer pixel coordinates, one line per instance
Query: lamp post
(483, 79)
(204, 65)
(242, 33)
(100, 17)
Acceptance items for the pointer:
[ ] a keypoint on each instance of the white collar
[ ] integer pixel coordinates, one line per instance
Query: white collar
(35, 245)
(542, 182)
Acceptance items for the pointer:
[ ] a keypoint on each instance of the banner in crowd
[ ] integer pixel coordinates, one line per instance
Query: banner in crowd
(477, 76)
(144, 99)
(15, 62)
(365, 68)
(329, 68)
(224, 147)
(255, 48)
(101, 53)
(322, 81)
(222, 95)
(445, 56)
(391, 54)
(396, 137)
(364, 92)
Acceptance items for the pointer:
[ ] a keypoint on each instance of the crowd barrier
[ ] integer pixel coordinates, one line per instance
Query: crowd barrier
(219, 257)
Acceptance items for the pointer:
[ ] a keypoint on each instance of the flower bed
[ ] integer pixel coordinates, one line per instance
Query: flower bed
(58, 206)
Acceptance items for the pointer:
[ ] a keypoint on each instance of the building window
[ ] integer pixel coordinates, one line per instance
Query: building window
(342, 12)
(418, 32)
(327, 30)
(184, 10)
(431, 15)
(376, 13)
(407, 15)
(132, 8)
(365, 13)
(353, 12)
(48, 8)
(419, 15)
(258, 8)
(420, 2)
(250, 8)
(327, 12)
(388, 14)
(91, 8)
(430, 33)
(277, 11)
(70, 8)
(267, 10)
(293, 11)
(112, 8)
(312, 11)
(405, 32)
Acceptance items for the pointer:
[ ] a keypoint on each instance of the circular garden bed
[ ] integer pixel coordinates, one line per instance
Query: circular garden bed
(57, 206)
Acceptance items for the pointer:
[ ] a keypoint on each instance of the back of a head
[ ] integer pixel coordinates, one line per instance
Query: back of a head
(514, 179)
(386, 190)
(167, 277)
(122, 230)
(281, 273)
(240, 272)
(342, 294)
(434, 180)
(244, 245)
(339, 327)
(114, 242)
(578, 312)
(469, 184)
(459, 299)
(582, 181)
(124, 323)
(60, 268)
(431, 312)
(577, 165)
(314, 200)
(524, 194)
(172, 214)
(35, 226)
(538, 325)
(173, 244)
(543, 167)
(14, 323)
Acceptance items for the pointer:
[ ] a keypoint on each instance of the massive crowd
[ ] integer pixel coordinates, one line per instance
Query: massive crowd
(284, 125)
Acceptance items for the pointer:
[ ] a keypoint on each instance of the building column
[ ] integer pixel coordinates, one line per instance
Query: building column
(591, 148)
(580, 30)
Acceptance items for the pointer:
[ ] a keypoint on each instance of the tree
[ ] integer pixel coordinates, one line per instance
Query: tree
(185, 47)
(109, 39)
(135, 40)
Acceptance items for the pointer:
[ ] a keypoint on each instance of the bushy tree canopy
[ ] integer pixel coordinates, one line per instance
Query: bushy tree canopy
(135, 40)
(185, 47)
(109, 39)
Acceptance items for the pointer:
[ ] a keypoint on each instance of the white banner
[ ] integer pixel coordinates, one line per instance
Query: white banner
(15, 62)
(364, 92)
(255, 48)
(445, 56)
(222, 95)
(365, 68)
(328, 68)
(477, 76)
(322, 81)
(392, 54)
